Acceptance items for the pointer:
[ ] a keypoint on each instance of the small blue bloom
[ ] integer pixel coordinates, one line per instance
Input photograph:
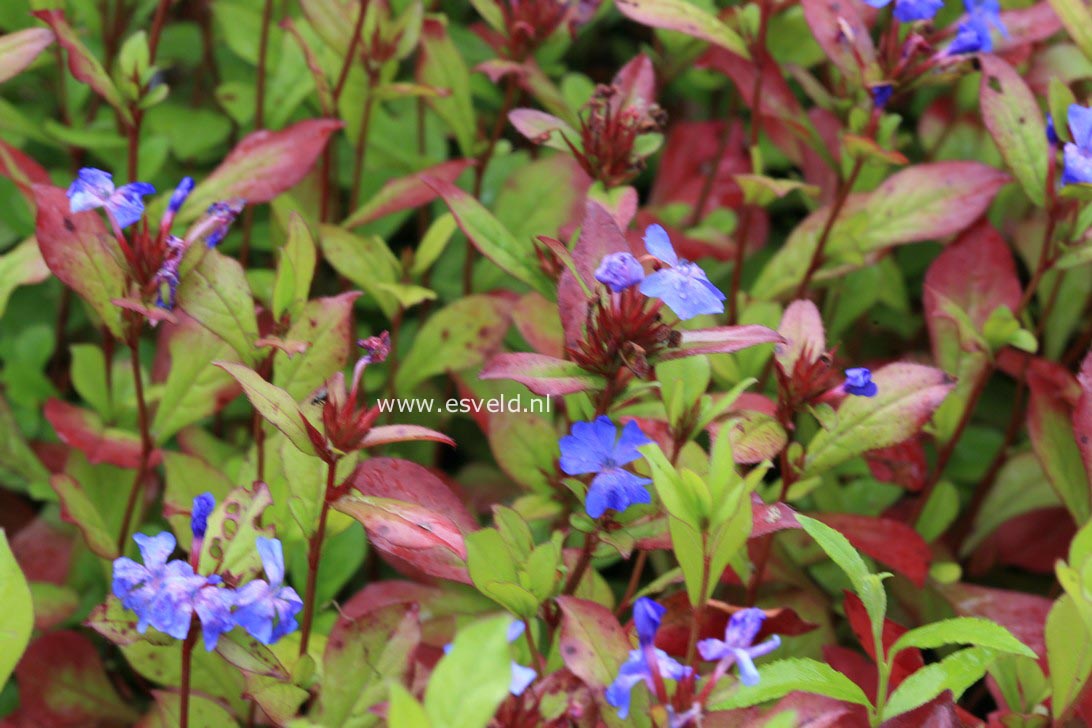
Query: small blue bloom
(94, 188)
(1078, 153)
(907, 11)
(859, 382)
(218, 220)
(974, 33)
(185, 187)
(738, 644)
(881, 94)
(199, 516)
(619, 271)
(267, 609)
(683, 286)
(1051, 132)
(647, 615)
(522, 677)
(137, 584)
(595, 447)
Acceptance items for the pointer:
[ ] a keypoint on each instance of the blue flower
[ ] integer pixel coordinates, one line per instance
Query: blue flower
(973, 34)
(522, 677)
(859, 382)
(619, 271)
(881, 94)
(1078, 153)
(1051, 132)
(199, 516)
(638, 666)
(267, 609)
(164, 594)
(219, 218)
(595, 447)
(907, 11)
(94, 188)
(683, 286)
(738, 644)
(185, 187)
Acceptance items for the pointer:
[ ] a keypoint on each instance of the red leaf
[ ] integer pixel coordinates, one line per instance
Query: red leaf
(406, 192)
(381, 594)
(386, 434)
(892, 543)
(635, 83)
(1051, 425)
(1082, 415)
(599, 236)
(62, 683)
(84, 431)
(722, 340)
(263, 165)
(674, 633)
(1033, 541)
(802, 333)
(906, 662)
(539, 323)
(770, 518)
(79, 251)
(22, 170)
(44, 553)
(593, 644)
(408, 481)
(541, 374)
(807, 709)
(843, 36)
(81, 64)
(902, 464)
(19, 49)
(411, 536)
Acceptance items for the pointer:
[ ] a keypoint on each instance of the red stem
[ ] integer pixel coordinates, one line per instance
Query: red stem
(184, 689)
(145, 445)
(313, 552)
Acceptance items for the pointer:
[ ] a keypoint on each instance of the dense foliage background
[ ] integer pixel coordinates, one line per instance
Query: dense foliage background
(545, 362)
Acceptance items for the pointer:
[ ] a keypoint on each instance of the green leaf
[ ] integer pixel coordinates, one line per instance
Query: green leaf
(403, 710)
(456, 337)
(592, 643)
(366, 261)
(1069, 655)
(250, 655)
(1050, 426)
(216, 294)
(515, 256)
(230, 543)
(867, 585)
(1011, 114)
(686, 18)
(295, 268)
(525, 447)
(471, 680)
(275, 405)
(493, 571)
(443, 66)
(1059, 99)
(325, 323)
(20, 468)
(1077, 19)
(202, 711)
(18, 613)
(78, 508)
(908, 394)
(119, 625)
(956, 672)
(20, 266)
(962, 631)
(432, 244)
(784, 676)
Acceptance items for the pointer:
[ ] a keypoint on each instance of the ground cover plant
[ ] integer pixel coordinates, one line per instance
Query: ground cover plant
(545, 363)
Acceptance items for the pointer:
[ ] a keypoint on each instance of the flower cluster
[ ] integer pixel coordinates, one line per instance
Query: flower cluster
(154, 260)
(609, 131)
(974, 32)
(167, 594)
(596, 447)
(907, 11)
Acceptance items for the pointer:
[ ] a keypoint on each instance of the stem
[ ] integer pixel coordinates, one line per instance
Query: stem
(634, 581)
(839, 202)
(766, 544)
(362, 141)
(590, 543)
(157, 28)
(313, 552)
(540, 661)
(883, 670)
(263, 52)
(347, 62)
(184, 689)
(145, 445)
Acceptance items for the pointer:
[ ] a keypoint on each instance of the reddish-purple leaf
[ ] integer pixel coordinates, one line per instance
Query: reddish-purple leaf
(62, 682)
(805, 709)
(593, 644)
(263, 165)
(844, 37)
(767, 518)
(722, 340)
(541, 374)
(1011, 114)
(19, 49)
(538, 321)
(1050, 422)
(636, 84)
(44, 551)
(408, 481)
(804, 338)
(542, 128)
(410, 535)
(902, 463)
(22, 170)
(906, 662)
(85, 431)
(1082, 415)
(1022, 614)
(81, 63)
(890, 542)
(674, 633)
(79, 251)
(599, 236)
(406, 193)
(386, 434)
(1028, 25)
(755, 436)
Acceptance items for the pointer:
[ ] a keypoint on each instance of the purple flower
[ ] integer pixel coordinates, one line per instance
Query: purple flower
(619, 271)
(164, 594)
(199, 516)
(595, 447)
(639, 665)
(1078, 153)
(907, 11)
(683, 286)
(267, 609)
(881, 94)
(94, 188)
(859, 382)
(973, 34)
(738, 645)
(185, 187)
(1051, 132)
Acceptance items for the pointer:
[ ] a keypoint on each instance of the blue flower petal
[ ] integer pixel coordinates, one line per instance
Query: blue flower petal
(1080, 125)
(743, 627)
(748, 673)
(522, 677)
(272, 559)
(90, 190)
(647, 615)
(588, 448)
(907, 11)
(625, 451)
(126, 204)
(213, 606)
(199, 515)
(155, 550)
(619, 271)
(617, 489)
(1078, 166)
(686, 291)
(713, 650)
(659, 246)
